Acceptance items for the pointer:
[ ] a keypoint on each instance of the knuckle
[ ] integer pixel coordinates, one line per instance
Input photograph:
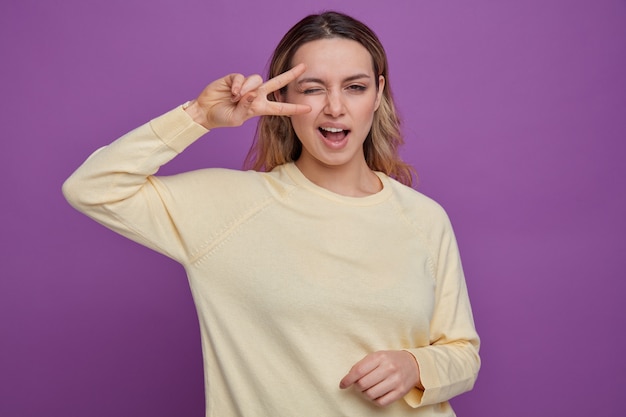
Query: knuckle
(255, 80)
(237, 78)
(360, 386)
(355, 369)
(372, 396)
(382, 356)
(395, 380)
(380, 402)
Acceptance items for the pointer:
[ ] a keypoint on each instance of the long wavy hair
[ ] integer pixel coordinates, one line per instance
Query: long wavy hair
(276, 142)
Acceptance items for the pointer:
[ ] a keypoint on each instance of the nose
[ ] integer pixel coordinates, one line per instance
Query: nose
(334, 104)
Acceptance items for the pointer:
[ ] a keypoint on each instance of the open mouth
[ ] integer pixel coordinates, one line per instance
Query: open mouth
(333, 133)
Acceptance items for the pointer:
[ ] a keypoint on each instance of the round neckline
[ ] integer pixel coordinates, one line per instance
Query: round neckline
(299, 178)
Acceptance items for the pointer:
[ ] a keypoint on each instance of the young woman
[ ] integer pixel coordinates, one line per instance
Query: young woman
(325, 286)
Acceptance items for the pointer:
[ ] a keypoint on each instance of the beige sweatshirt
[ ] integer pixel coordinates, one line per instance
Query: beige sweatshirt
(293, 284)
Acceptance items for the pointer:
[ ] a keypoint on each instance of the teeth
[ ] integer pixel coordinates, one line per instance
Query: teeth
(331, 129)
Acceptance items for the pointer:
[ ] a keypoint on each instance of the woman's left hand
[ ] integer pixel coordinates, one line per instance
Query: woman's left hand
(384, 377)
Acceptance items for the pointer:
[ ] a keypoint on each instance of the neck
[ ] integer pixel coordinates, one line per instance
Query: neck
(350, 181)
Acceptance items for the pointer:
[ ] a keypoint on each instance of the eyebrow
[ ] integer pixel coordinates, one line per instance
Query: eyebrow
(320, 81)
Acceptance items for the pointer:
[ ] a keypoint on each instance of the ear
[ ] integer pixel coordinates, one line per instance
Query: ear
(379, 93)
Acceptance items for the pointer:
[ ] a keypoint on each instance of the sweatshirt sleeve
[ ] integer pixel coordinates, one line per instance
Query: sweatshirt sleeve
(449, 365)
(115, 185)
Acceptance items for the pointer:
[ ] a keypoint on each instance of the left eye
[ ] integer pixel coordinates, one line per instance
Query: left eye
(356, 87)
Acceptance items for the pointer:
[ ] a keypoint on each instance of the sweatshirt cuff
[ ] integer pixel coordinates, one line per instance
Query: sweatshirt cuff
(428, 378)
(177, 129)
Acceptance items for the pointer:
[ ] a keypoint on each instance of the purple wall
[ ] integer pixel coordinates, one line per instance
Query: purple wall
(515, 117)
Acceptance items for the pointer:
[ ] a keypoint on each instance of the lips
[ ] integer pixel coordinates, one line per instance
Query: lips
(334, 134)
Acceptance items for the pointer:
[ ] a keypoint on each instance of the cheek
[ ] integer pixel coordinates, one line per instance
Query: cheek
(301, 124)
(306, 119)
(365, 109)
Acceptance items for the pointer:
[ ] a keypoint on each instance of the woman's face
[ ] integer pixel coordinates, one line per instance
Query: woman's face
(340, 86)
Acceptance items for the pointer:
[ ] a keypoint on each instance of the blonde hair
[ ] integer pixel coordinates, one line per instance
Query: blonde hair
(276, 142)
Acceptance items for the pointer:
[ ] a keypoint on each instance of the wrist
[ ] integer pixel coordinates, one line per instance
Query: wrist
(418, 383)
(195, 112)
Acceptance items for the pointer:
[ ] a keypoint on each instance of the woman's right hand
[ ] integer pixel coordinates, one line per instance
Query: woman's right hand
(233, 99)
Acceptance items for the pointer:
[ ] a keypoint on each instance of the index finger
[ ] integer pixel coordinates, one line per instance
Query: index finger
(283, 79)
(358, 371)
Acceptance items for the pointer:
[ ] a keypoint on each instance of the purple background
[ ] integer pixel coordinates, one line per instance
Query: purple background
(515, 117)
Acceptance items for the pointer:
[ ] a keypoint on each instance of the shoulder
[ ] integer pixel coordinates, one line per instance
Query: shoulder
(420, 211)
(223, 186)
(414, 203)
(216, 178)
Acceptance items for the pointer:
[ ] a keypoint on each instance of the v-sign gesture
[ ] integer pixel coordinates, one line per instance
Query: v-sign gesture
(233, 99)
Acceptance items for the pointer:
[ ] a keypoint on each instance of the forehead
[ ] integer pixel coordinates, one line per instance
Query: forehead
(334, 56)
